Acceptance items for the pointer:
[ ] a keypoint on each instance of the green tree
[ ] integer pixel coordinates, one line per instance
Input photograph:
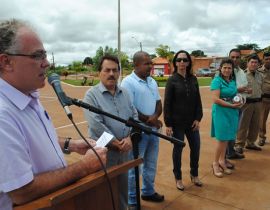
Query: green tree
(248, 46)
(198, 53)
(110, 51)
(267, 49)
(96, 58)
(152, 56)
(57, 69)
(125, 64)
(77, 67)
(88, 61)
(163, 51)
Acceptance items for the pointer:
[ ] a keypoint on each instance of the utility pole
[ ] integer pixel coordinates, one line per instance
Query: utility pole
(140, 43)
(119, 40)
(53, 64)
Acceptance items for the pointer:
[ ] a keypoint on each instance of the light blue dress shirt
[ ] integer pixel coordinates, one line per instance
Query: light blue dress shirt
(29, 143)
(144, 94)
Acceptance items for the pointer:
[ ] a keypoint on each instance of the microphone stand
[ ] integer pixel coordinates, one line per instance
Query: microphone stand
(135, 135)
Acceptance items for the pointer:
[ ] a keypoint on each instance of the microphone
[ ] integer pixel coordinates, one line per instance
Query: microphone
(54, 81)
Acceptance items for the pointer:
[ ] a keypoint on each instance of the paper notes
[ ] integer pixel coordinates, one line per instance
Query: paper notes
(104, 139)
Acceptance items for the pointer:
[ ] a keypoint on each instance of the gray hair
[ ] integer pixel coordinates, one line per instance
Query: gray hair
(8, 35)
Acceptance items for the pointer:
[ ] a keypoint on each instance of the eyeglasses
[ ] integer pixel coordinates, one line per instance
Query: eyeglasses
(40, 55)
(181, 59)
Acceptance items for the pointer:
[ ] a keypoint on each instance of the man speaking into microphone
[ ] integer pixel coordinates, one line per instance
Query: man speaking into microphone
(32, 162)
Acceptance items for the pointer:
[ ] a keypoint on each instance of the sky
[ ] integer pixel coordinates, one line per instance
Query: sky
(75, 29)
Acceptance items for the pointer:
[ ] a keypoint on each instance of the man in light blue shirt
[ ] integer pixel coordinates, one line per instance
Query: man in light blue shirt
(241, 83)
(32, 163)
(145, 96)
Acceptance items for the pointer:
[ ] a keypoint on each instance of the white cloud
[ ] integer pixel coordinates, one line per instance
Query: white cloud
(75, 29)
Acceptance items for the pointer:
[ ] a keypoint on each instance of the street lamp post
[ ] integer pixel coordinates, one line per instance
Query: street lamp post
(140, 43)
(119, 41)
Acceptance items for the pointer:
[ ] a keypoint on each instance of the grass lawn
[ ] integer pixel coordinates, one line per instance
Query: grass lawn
(78, 82)
(203, 81)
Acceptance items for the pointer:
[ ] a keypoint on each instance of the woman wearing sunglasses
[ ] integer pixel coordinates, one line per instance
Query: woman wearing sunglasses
(182, 115)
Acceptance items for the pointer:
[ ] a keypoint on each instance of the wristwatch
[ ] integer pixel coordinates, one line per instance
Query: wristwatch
(66, 146)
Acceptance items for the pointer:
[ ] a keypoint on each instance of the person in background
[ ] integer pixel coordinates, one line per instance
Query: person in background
(111, 98)
(225, 114)
(32, 162)
(241, 83)
(249, 122)
(144, 94)
(182, 115)
(265, 70)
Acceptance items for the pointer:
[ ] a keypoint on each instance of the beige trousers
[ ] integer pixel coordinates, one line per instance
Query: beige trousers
(263, 119)
(248, 125)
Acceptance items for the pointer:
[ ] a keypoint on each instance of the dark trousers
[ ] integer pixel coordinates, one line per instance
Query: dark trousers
(230, 151)
(230, 148)
(193, 138)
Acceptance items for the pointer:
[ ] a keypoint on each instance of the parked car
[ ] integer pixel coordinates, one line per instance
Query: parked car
(204, 72)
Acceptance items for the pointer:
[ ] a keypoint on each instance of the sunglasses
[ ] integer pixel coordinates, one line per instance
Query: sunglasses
(181, 59)
(40, 55)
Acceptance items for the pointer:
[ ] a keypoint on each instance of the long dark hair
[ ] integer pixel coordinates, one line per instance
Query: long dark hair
(189, 59)
(227, 61)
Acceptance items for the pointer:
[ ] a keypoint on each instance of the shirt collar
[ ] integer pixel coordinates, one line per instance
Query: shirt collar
(253, 73)
(237, 69)
(265, 69)
(18, 98)
(135, 76)
(103, 89)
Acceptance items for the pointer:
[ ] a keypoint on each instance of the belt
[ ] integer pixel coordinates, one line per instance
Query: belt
(253, 100)
(266, 95)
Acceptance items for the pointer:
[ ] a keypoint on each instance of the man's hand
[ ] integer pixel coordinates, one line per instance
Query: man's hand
(125, 144)
(115, 145)
(153, 121)
(158, 124)
(91, 161)
(249, 90)
(80, 146)
(242, 89)
(169, 131)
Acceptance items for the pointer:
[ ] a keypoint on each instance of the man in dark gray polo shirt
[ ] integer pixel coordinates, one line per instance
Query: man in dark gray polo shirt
(109, 97)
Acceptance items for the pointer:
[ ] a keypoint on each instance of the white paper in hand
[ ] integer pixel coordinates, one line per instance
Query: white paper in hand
(104, 139)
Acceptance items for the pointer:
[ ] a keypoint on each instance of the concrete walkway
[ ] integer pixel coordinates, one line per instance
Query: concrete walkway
(247, 188)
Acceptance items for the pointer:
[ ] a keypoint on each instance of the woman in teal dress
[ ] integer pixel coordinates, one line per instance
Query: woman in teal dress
(225, 114)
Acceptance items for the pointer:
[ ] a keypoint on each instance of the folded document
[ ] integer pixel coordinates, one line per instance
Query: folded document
(104, 139)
